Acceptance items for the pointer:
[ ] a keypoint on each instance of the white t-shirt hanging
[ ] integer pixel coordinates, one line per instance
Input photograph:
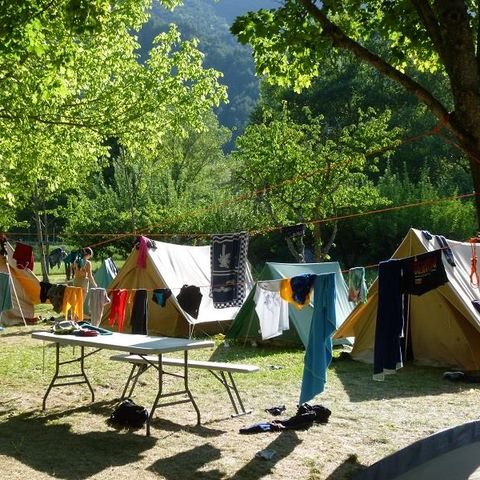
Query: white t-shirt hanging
(271, 309)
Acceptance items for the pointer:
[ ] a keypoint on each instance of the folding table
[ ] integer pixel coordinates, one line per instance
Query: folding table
(142, 345)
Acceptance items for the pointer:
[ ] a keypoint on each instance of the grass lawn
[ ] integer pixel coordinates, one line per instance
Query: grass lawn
(71, 439)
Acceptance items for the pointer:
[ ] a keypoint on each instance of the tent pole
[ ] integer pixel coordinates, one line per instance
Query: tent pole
(15, 292)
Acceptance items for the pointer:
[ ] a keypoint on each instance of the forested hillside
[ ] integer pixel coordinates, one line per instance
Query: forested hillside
(209, 21)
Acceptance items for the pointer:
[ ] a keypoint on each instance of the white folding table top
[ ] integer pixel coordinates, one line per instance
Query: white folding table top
(125, 342)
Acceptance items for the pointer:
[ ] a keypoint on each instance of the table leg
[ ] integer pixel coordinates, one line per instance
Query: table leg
(187, 389)
(57, 376)
(161, 395)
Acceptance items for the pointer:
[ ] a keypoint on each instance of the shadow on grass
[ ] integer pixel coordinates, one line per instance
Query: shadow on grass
(47, 444)
(347, 469)
(284, 444)
(18, 333)
(191, 463)
(200, 430)
(188, 464)
(409, 381)
(237, 352)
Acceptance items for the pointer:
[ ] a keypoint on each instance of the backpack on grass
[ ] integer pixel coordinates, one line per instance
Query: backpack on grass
(129, 414)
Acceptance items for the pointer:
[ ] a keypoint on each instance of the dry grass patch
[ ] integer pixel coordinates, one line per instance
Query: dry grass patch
(71, 439)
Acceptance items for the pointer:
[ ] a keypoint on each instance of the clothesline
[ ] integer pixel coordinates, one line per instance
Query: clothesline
(433, 131)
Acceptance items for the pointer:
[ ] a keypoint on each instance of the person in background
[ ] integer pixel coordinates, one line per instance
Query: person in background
(82, 270)
(68, 262)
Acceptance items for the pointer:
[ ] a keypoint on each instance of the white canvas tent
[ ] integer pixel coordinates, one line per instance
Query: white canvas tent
(443, 324)
(25, 291)
(172, 266)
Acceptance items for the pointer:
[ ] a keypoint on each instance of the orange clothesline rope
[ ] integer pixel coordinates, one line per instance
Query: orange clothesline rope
(433, 131)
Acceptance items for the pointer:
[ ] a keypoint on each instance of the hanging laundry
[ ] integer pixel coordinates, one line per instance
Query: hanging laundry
(190, 298)
(73, 299)
(119, 304)
(447, 251)
(142, 252)
(55, 295)
(228, 259)
(56, 257)
(423, 273)
(97, 298)
(387, 357)
(44, 288)
(138, 320)
(23, 254)
(357, 286)
(297, 290)
(318, 354)
(68, 262)
(5, 292)
(272, 311)
(161, 295)
(427, 235)
(290, 231)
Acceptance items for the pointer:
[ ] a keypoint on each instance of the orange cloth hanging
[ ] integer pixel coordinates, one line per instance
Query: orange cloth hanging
(286, 293)
(73, 299)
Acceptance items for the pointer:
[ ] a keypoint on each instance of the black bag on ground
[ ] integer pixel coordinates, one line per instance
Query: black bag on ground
(129, 414)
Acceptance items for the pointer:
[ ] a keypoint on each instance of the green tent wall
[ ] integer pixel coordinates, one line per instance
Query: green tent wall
(246, 325)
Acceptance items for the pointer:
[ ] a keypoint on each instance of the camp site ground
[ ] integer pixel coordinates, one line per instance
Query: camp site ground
(71, 439)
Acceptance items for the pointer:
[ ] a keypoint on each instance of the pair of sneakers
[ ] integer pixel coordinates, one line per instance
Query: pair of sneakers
(69, 327)
(65, 327)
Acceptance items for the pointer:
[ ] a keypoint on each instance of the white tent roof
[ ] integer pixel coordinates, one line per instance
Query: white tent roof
(179, 265)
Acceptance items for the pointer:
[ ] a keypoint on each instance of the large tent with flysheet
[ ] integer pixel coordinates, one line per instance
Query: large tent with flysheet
(246, 325)
(450, 454)
(24, 289)
(442, 325)
(172, 266)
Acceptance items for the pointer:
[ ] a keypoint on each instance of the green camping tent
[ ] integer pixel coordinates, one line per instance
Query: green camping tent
(106, 273)
(247, 326)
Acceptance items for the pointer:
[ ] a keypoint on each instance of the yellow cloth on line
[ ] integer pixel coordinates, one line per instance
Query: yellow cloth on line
(73, 299)
(286, 293)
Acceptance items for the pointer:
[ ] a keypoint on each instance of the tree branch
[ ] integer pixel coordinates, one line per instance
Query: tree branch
(430, 22)
(340, 40)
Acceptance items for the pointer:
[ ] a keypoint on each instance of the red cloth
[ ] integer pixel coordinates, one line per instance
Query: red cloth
(142, 252)
(119, 303)
(23, 254)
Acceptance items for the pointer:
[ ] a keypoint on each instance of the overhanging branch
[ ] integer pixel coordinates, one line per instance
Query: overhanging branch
(341, 40)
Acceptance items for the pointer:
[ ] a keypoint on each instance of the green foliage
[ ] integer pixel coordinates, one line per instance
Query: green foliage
(205, 20)
(290, 45)
(155, 194)
(373, 238)
(60, 105)
(328, 167)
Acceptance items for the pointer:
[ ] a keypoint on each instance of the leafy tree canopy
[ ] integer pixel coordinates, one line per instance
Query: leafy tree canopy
(70, 80)
(291, 42)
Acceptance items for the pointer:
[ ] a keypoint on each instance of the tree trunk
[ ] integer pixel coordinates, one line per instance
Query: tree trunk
(450, 30)
(297, 252)
(320, 250)
(47, 242)
(38, 222)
